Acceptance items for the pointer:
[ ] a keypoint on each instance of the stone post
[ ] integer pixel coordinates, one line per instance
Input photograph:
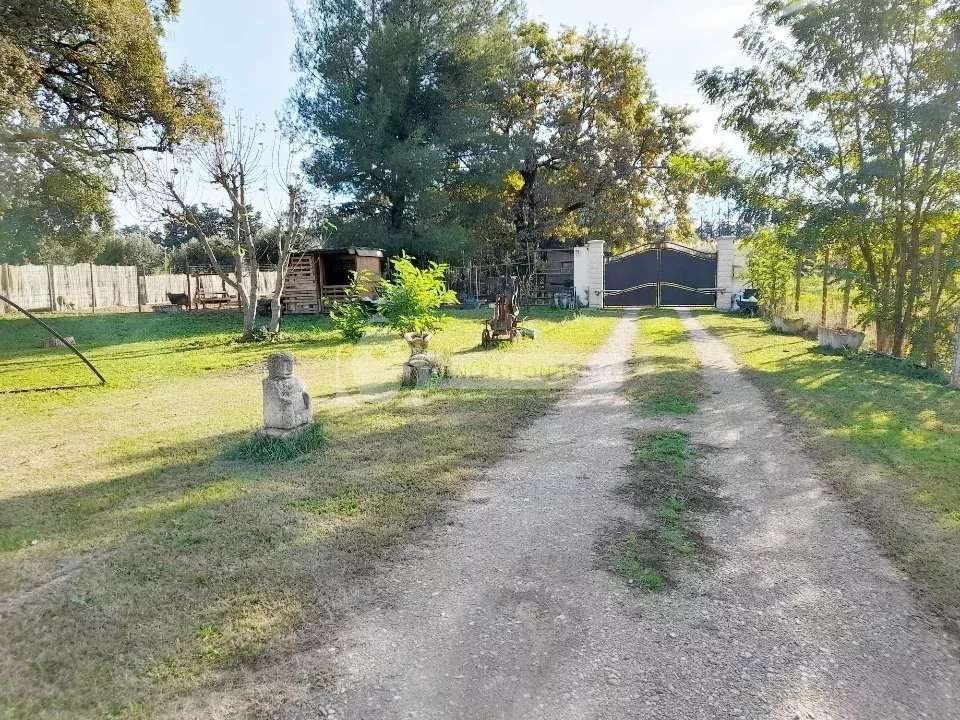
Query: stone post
(581, 275)
(287, 408)
(731, 264)
(595, 249)
(955, 381)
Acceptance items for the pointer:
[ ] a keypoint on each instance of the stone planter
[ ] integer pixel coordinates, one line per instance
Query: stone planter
(791, 326)
(839, 339)
(418, 342)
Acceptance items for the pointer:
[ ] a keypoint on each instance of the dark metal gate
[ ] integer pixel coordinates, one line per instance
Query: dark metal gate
(665, 274)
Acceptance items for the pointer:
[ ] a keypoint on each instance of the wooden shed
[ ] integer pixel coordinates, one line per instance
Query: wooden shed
(317, 278)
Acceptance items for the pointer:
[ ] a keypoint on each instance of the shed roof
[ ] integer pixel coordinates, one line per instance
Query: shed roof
(362, 251)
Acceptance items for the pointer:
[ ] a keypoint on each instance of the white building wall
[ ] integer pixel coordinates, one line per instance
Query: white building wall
(731, 269)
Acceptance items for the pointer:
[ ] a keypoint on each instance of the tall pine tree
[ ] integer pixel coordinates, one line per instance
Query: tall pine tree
(397, 98)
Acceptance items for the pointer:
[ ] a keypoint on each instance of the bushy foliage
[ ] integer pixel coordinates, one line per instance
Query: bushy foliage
(132, 248)
(770, 267)
(411, 301)
(851, 112)
(351, 317)
(395, 99)
(50, 217)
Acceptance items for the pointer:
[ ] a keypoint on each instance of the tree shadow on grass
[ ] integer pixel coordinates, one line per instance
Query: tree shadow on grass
(204, 568)
(206, 330)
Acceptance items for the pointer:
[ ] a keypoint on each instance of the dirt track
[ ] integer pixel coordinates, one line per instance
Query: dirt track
(504, 614)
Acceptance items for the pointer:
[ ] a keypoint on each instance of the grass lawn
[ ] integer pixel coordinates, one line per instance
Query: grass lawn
(144, 569)
(892, 442)
(664, 376)
(664, 384)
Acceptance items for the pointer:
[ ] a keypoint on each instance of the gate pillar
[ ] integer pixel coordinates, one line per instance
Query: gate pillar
(588, 273)
(731, 266)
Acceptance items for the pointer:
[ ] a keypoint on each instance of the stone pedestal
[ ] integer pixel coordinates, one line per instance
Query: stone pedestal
(418, 370)
(53, 342)
(287, 408)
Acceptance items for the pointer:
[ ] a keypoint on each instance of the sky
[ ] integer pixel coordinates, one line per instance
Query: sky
(246, 45)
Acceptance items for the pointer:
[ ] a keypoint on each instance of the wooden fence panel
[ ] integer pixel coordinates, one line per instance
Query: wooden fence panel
(115, 286)
(86, 286)
(72, 286)
(156, 287)
(266, 282)
(28, 286)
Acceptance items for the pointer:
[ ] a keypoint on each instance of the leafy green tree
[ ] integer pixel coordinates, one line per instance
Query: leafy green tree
(54, 219)
(397, 97)
(412, 299)
(598, 154)
(853, 109)
(770, 268)
(83, 89)
(131, 246)
(86, 82)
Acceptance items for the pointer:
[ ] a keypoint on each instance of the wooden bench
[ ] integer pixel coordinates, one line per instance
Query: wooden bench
(216, 298)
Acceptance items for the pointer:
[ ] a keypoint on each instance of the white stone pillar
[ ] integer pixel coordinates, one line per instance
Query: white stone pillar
(595, 250)
(588, 273)
(581, 275)
(731, 266)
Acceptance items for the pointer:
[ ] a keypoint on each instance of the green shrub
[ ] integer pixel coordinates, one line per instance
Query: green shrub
(266, 450)
(770, 269)
(411, 301)
(351, 317)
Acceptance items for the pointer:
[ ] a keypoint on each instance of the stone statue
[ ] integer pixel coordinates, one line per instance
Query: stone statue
(287, 409)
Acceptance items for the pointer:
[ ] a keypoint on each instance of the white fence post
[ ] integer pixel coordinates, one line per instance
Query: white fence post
(4, 288)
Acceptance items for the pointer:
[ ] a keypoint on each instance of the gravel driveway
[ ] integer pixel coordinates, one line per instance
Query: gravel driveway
(504, 614)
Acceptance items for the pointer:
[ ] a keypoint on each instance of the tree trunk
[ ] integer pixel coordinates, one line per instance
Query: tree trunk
(956, 358)
(931, 350)
(250, 311)
(279, 284)
(797, 275)
(915, 287)
(845, 310)
(397, 208)
(825, 288)
(243, 293)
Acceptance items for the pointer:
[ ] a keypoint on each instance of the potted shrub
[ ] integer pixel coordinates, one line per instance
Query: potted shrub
(412, 298)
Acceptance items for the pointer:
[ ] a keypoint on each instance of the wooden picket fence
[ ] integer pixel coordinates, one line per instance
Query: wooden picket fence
(75, 288)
